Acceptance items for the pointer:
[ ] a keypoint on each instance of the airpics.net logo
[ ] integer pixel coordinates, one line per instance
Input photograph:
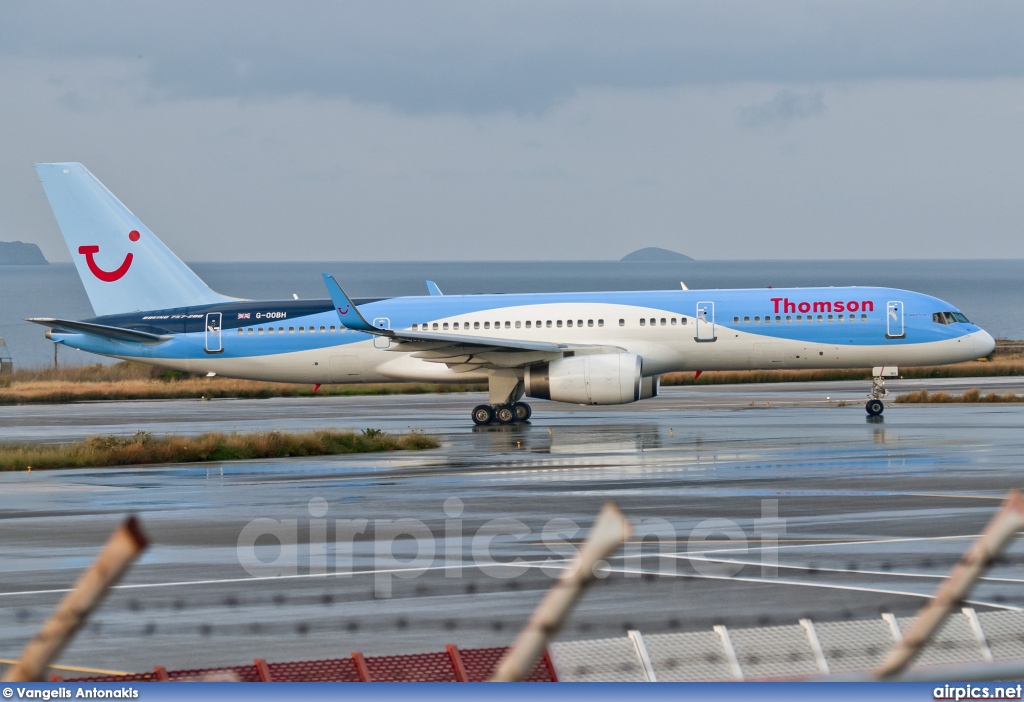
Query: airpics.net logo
(401, 549)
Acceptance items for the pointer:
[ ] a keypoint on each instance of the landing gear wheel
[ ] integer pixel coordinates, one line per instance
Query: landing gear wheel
(522, 410)
(505, 414)
(482, 414)
(874, 407)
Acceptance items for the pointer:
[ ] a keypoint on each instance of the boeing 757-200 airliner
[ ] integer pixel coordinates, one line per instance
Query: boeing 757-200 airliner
(602, 348)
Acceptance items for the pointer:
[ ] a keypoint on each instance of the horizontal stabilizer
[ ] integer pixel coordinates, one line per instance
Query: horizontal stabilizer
(107, 332)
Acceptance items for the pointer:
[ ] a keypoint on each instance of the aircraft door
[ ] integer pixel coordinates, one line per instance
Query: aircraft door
(381, 342)
(894, 320)
(213, 338)
(705, 321)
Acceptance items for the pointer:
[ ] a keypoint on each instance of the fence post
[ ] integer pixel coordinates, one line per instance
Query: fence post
(955, 587)
(457, 666)
(362, 670)
(263, 670)
(610, 530)
(123, 547)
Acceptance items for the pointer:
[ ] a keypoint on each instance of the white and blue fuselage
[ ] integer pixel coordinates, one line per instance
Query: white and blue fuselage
(304, 341)
(589, 348)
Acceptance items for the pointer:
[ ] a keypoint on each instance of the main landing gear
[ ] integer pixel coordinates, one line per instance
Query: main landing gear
(513, 413)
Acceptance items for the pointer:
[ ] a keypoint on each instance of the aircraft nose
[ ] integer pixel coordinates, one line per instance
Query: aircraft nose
(984, 342)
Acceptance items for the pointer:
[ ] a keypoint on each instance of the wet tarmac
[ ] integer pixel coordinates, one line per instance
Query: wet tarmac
(758, 504)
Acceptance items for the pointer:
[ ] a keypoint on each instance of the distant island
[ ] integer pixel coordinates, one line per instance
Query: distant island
(18, 253)
(653, 253)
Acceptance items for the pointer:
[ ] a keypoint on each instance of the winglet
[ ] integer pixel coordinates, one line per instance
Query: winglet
(348, 313)
(433, 289)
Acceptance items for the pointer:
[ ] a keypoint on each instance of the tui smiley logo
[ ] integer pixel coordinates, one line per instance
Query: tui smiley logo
(108, 276)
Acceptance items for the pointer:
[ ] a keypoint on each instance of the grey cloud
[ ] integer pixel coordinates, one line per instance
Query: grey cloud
(523, 57)
(782, 109)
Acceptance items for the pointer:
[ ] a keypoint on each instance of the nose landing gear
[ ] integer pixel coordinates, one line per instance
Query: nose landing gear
(875, 406)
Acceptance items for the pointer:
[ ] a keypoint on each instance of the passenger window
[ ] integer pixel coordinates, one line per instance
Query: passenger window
(455, 325)
(683, 321)
(519, 324)
(538, 325)
(622, 322)
(528, 323)
(548, 324)
(508, 325)
(799, 318)
(673, 321)
(778, 319)
(820, 319)
(445, 326)
(789, 319)
(487, 325)
(757, 320)
(558, 323)
(250, 330)
(663, 321)
(579, 322)
(767, 319)
(863, 318)
(643, 322)
(568, 324)
(332, 328)
(415, 327)
(746, 320)
(270, 330)
(600, 322)
(653, 321)
(240, 330)
(291, 330)
(260, 330)
(830, 318)
(280, 330)
(476, 325)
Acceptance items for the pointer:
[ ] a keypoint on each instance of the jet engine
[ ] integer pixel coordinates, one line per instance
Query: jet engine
(598, 379)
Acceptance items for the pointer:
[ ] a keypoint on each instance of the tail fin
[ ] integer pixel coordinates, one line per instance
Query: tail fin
(122, 264)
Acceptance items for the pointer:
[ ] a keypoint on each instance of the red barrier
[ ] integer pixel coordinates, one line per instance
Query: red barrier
(451, 665)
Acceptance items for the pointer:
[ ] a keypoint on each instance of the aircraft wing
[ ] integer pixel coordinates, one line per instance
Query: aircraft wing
(461, 352)
(107, 332)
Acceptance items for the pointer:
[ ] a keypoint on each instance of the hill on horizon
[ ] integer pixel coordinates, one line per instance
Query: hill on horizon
(653, 253)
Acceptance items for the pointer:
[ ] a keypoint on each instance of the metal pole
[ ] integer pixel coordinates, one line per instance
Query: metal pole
(123, 547)
(1004, 525)
(611, 529)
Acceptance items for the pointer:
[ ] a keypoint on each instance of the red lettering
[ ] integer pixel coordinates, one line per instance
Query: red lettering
(838, 306)
(853, 305)
(776, 300)
(788, 307)
(822, 306)
(804, 307)
(867, 306)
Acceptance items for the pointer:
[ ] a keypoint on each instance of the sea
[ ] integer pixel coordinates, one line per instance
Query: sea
(989, 292)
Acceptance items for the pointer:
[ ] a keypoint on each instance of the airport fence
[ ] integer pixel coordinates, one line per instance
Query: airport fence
(800, 650)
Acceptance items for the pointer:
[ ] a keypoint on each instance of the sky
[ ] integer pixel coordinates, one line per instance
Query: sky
(528, 130)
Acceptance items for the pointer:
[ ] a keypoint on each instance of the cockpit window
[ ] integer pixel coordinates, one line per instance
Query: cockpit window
(949, 318)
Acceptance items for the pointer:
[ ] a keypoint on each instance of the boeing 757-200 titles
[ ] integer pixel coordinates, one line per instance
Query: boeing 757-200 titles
(603, 348)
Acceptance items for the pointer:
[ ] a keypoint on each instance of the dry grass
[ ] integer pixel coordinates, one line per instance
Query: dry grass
(974, 395)
(971, 369)
(144, 448)
(136, 381)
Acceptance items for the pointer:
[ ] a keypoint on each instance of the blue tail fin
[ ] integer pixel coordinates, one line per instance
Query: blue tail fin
(123, 266)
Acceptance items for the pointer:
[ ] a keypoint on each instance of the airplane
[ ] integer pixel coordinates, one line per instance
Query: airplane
(588, 348)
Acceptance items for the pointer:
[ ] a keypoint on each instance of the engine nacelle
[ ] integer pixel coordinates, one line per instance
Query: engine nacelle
(598, 379)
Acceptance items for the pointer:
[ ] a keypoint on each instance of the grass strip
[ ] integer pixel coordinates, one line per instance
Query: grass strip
(973, 395)
(144, 448)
